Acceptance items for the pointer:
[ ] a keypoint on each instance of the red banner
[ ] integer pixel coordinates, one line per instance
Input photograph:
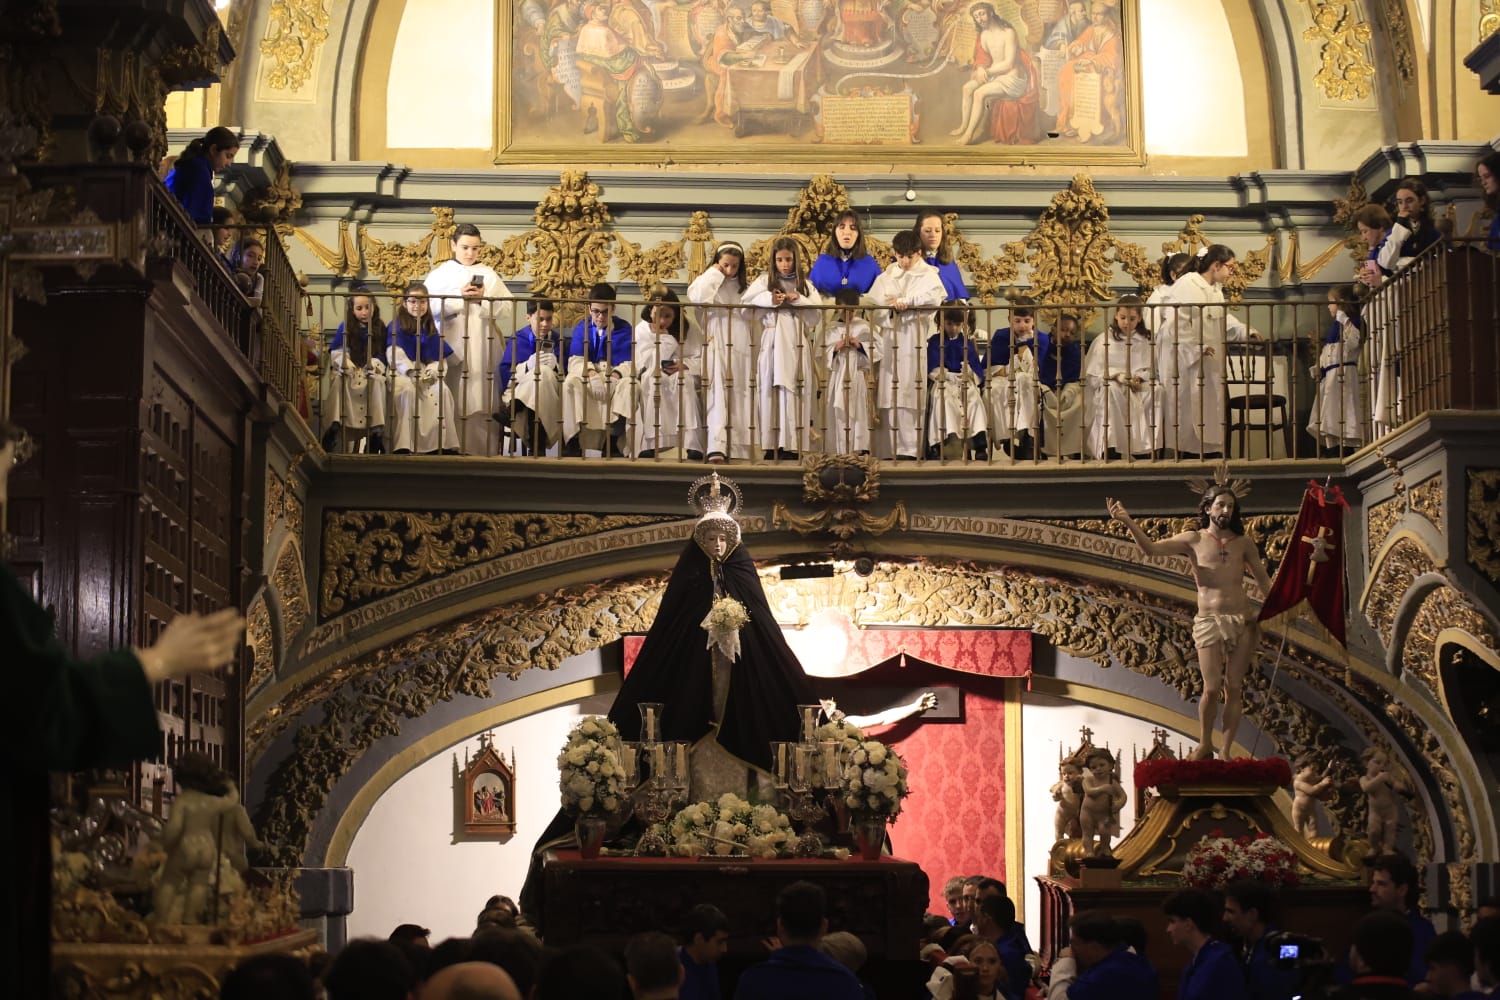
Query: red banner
(1312, 571)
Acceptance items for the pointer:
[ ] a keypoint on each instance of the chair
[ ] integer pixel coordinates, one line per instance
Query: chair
(599, 93)
(1256, 400)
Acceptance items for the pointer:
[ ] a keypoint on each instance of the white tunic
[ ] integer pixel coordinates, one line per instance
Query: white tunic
(1337, 419)
(847, 414)
(1120, 375)
(1195, 328)
(729, 362)
(786, 390)
(474, 328)
(419, 401)
(668, 413)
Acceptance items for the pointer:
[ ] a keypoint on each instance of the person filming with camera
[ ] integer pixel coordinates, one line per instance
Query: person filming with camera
(1251, 912)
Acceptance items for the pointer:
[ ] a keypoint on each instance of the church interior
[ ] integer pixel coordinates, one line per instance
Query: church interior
(415, 620)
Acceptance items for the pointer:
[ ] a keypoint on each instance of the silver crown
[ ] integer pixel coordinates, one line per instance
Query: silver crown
(714, 495)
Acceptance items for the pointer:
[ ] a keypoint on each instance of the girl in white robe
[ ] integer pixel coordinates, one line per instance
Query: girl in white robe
(354, 385)
(473, 326)
(423, 405)
(850, 351)
(1119, 374)
(729, 352)
(907, 293)
(667, 414)
(1337, 421)
(786, 386)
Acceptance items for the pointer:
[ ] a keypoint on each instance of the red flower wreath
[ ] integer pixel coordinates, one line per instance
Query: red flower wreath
(1246, 772)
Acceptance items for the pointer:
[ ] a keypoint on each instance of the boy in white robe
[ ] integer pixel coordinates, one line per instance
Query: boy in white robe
(668, 414)
(907, 292)
(955, 377)
(1010, 391)
(598, 390)
(472, 324)
(1119, 376)
(529, 377)
(849, 351)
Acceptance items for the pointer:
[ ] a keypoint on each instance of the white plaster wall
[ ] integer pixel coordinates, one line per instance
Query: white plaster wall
(1194, 96)
(441, 85)
(1047, 725)
(407, 869)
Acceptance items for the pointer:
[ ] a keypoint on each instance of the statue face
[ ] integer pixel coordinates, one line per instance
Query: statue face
(718, 545)
(1221, 511)
(1100, 768)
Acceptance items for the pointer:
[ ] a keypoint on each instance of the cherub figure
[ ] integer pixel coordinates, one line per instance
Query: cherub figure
(205, 840)
(1381, 783)
(1103, 798)
(1308, 785)
(1068, 794)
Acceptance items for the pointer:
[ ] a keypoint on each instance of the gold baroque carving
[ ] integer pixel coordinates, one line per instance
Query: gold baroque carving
(1398, 32)
(1113, 625)
(568, 250)
(290, 582)
(1345, 73)
(345, 262)
(1398, 569)
(295, 32)
(192, 64)
(276, 203)
(1443, 608)
(1251, 265)
(369, 554)
(275, 500)
(1426, 498)
(1489, 18)
(1430, 749)
(1482, 522)
(662, 262)
(1382, 519)
(397, 263)
(809, 222)
(262, 648)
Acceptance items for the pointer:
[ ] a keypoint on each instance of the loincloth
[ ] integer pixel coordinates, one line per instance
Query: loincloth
(1212, 629)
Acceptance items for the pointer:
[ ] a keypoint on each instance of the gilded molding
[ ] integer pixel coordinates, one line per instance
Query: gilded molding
(1482, 522)
(1343, 39)
(276, 203)
(370, 554)
(194, 64)
(290, 580)
(295, 32)
(1251, 265)
(1489, 18)
(344, 262)
(1396, 570)
(397, 263)
(1381, 520)
(275, 503)
(262, 644)
(1426, 499)
(366, 700)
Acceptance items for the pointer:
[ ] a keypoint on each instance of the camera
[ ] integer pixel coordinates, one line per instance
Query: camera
(1295, 951)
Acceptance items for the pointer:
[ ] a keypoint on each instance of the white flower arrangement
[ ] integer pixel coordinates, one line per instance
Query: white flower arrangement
(874, 781)
(723, 623)
(593, 727)
(727, 827)
(848, 737)
(590, 776)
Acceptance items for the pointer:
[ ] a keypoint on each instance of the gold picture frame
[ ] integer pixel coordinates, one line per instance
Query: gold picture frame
(488, 792)
(810, 81)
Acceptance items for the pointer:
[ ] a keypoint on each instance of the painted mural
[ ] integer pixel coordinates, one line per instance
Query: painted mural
(998, 79)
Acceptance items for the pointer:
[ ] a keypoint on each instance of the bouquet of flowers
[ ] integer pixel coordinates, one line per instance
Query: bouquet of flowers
(589, 772)
(847, 736)
(725, 619)
(874, 781)
(727, 827)
(1216, 860)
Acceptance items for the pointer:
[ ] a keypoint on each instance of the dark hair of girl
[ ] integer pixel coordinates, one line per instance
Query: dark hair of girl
(218, 137)
(1217, 254)
(739, 275)
(944, 252)
(661, 293)
(358, 338)
(1347, 298)
(1175, 266)
(1131, 302)
(406, 322)
(855, 252)
(1423, 217)
(787, 243)
(1492, 164)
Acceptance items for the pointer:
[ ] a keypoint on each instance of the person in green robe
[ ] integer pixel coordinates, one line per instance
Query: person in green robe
(67, 714)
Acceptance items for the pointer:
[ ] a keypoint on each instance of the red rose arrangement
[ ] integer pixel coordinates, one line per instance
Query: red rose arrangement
(1248, 772)
(1217, 860)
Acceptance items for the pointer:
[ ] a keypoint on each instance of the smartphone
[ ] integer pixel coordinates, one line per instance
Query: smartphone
(477, 281)
(667, 364)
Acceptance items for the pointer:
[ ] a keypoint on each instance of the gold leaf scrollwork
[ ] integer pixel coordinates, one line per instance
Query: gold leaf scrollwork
(398, 263)
(1396, 571)
(290, 580)
(262, 648)
(1482, 522)
(1345, 73)
(1443, 608)
(1398, 33)
(1426, 499)
(192, 64)
(368, 554)
(1191, 238)
(295, 32)
(276, 203)
(345, 261)
(568, 250)
(1489, 18)
(808, 222)
(664, 261)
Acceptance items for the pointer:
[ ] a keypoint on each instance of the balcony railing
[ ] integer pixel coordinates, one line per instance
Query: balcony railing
(1208, 382)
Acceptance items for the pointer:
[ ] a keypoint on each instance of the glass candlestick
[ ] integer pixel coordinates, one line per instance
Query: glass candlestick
(650, 721)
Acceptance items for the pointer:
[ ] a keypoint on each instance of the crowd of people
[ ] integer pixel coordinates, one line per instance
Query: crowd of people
(1231, 945)
(836, 354)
